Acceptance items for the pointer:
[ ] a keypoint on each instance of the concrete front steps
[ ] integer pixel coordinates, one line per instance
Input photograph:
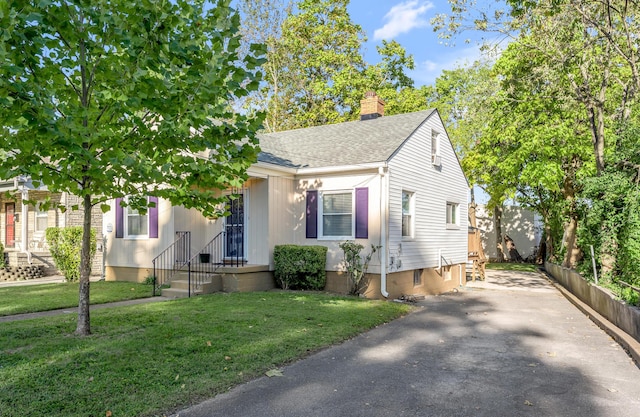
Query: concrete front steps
(245, 278)
(180, 287)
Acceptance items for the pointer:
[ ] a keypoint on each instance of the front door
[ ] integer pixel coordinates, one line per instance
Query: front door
(10, 225)
(234, 228)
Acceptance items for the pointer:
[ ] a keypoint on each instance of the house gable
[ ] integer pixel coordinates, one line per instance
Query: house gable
(438, 236)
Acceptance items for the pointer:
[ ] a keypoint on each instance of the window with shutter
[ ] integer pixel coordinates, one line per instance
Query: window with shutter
(339, 214)
(131, 224)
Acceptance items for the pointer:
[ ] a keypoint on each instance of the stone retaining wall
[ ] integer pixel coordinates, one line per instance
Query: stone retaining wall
(21, 273)
(622, 315)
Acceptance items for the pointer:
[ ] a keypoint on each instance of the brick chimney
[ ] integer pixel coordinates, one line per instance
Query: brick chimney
(371, 107)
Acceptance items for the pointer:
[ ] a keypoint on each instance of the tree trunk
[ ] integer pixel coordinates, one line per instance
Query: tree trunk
(514, 255)
(84, 325)
(497, 221)
(572, 255)
(548, 236)
(608, 253)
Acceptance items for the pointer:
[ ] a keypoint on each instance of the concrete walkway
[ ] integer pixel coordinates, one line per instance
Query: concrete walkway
(56, 279)
(510, 346)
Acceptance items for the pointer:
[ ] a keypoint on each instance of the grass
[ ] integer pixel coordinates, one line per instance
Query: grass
(32, 298)
(154, 359)
(508, 266)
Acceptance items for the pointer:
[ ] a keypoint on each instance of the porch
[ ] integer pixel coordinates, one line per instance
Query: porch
(241, 278)
(220, 265)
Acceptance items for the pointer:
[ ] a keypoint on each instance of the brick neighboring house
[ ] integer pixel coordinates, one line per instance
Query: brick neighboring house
(22, 226)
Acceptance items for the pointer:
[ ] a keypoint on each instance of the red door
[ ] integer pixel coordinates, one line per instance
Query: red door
(10, 224)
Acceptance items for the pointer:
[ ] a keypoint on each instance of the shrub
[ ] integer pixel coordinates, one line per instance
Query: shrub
(65, 245)
(2, 260)
(355, 266)
(300, 267)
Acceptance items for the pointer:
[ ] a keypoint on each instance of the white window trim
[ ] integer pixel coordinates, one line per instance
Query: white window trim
(321, 195)
(125, 225)
(436, 153)
(456, 206)
(412, 214)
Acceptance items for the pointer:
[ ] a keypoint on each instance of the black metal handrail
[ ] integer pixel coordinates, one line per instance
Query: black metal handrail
(171, 260)
(205, 263)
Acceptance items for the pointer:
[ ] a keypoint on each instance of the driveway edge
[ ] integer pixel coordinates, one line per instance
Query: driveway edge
(628, 343)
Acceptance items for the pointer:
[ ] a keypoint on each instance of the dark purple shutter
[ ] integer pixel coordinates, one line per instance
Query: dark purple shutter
(119, 218)
(362, 213)
(153, 218)
(312, 214)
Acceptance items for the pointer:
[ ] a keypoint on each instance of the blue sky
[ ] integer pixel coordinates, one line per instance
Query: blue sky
(407, 22)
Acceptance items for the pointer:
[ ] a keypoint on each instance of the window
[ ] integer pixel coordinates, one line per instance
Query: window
(133, 225)
(417, 277)
(407, 213)
(337, 214)
(137, 225)
(42, 218)
(453, 214)
(435, 148)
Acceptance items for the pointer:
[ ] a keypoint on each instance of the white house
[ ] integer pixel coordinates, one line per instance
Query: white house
(391, 181)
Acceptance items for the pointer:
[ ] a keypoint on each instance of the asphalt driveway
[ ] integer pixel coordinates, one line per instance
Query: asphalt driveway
(511, 346)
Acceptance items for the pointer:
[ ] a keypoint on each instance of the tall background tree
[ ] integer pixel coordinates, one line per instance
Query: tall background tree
(315, 71)
(567, 109)
(120, 98)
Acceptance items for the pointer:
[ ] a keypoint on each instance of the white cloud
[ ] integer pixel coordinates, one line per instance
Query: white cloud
(428, 70)
(402, 18)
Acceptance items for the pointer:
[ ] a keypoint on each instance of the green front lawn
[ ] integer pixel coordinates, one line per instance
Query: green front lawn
(32, 298)
(508, 266)
(152, 359)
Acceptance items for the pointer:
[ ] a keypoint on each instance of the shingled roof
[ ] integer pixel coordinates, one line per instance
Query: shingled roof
(341, 144)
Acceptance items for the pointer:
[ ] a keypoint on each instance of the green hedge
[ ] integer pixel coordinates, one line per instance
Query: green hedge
(300, 267)
(2, 260)
(65, 246)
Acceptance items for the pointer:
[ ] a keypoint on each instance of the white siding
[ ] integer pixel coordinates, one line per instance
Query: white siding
(138, 252)
(282, 220)
(371, 180)
(257, 221)
(411, 170)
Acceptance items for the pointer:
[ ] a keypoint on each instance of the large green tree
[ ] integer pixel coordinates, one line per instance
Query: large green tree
(125, 98)
(536, 145)
(315, 72)
(320, 64)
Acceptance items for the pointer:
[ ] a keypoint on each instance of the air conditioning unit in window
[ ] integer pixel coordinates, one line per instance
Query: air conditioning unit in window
(435, 160)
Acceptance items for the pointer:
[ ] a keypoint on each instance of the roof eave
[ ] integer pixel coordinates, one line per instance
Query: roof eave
(343, 168)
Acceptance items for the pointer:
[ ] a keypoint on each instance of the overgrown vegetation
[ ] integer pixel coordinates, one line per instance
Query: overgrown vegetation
(65, 246)
(154, 359)
(356, 265)
(300, 267)
(610, 214)
(3, 262)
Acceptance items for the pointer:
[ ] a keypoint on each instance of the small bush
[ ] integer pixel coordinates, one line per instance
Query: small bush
(300, 267)
(65, 245)
(2, 260)
(356, 266)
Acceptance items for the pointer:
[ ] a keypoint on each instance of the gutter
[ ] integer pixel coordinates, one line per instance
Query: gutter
(24, 244)
(383, 230)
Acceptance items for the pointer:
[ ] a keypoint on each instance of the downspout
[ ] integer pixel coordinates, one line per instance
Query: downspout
(383, 232)
(24, 246)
